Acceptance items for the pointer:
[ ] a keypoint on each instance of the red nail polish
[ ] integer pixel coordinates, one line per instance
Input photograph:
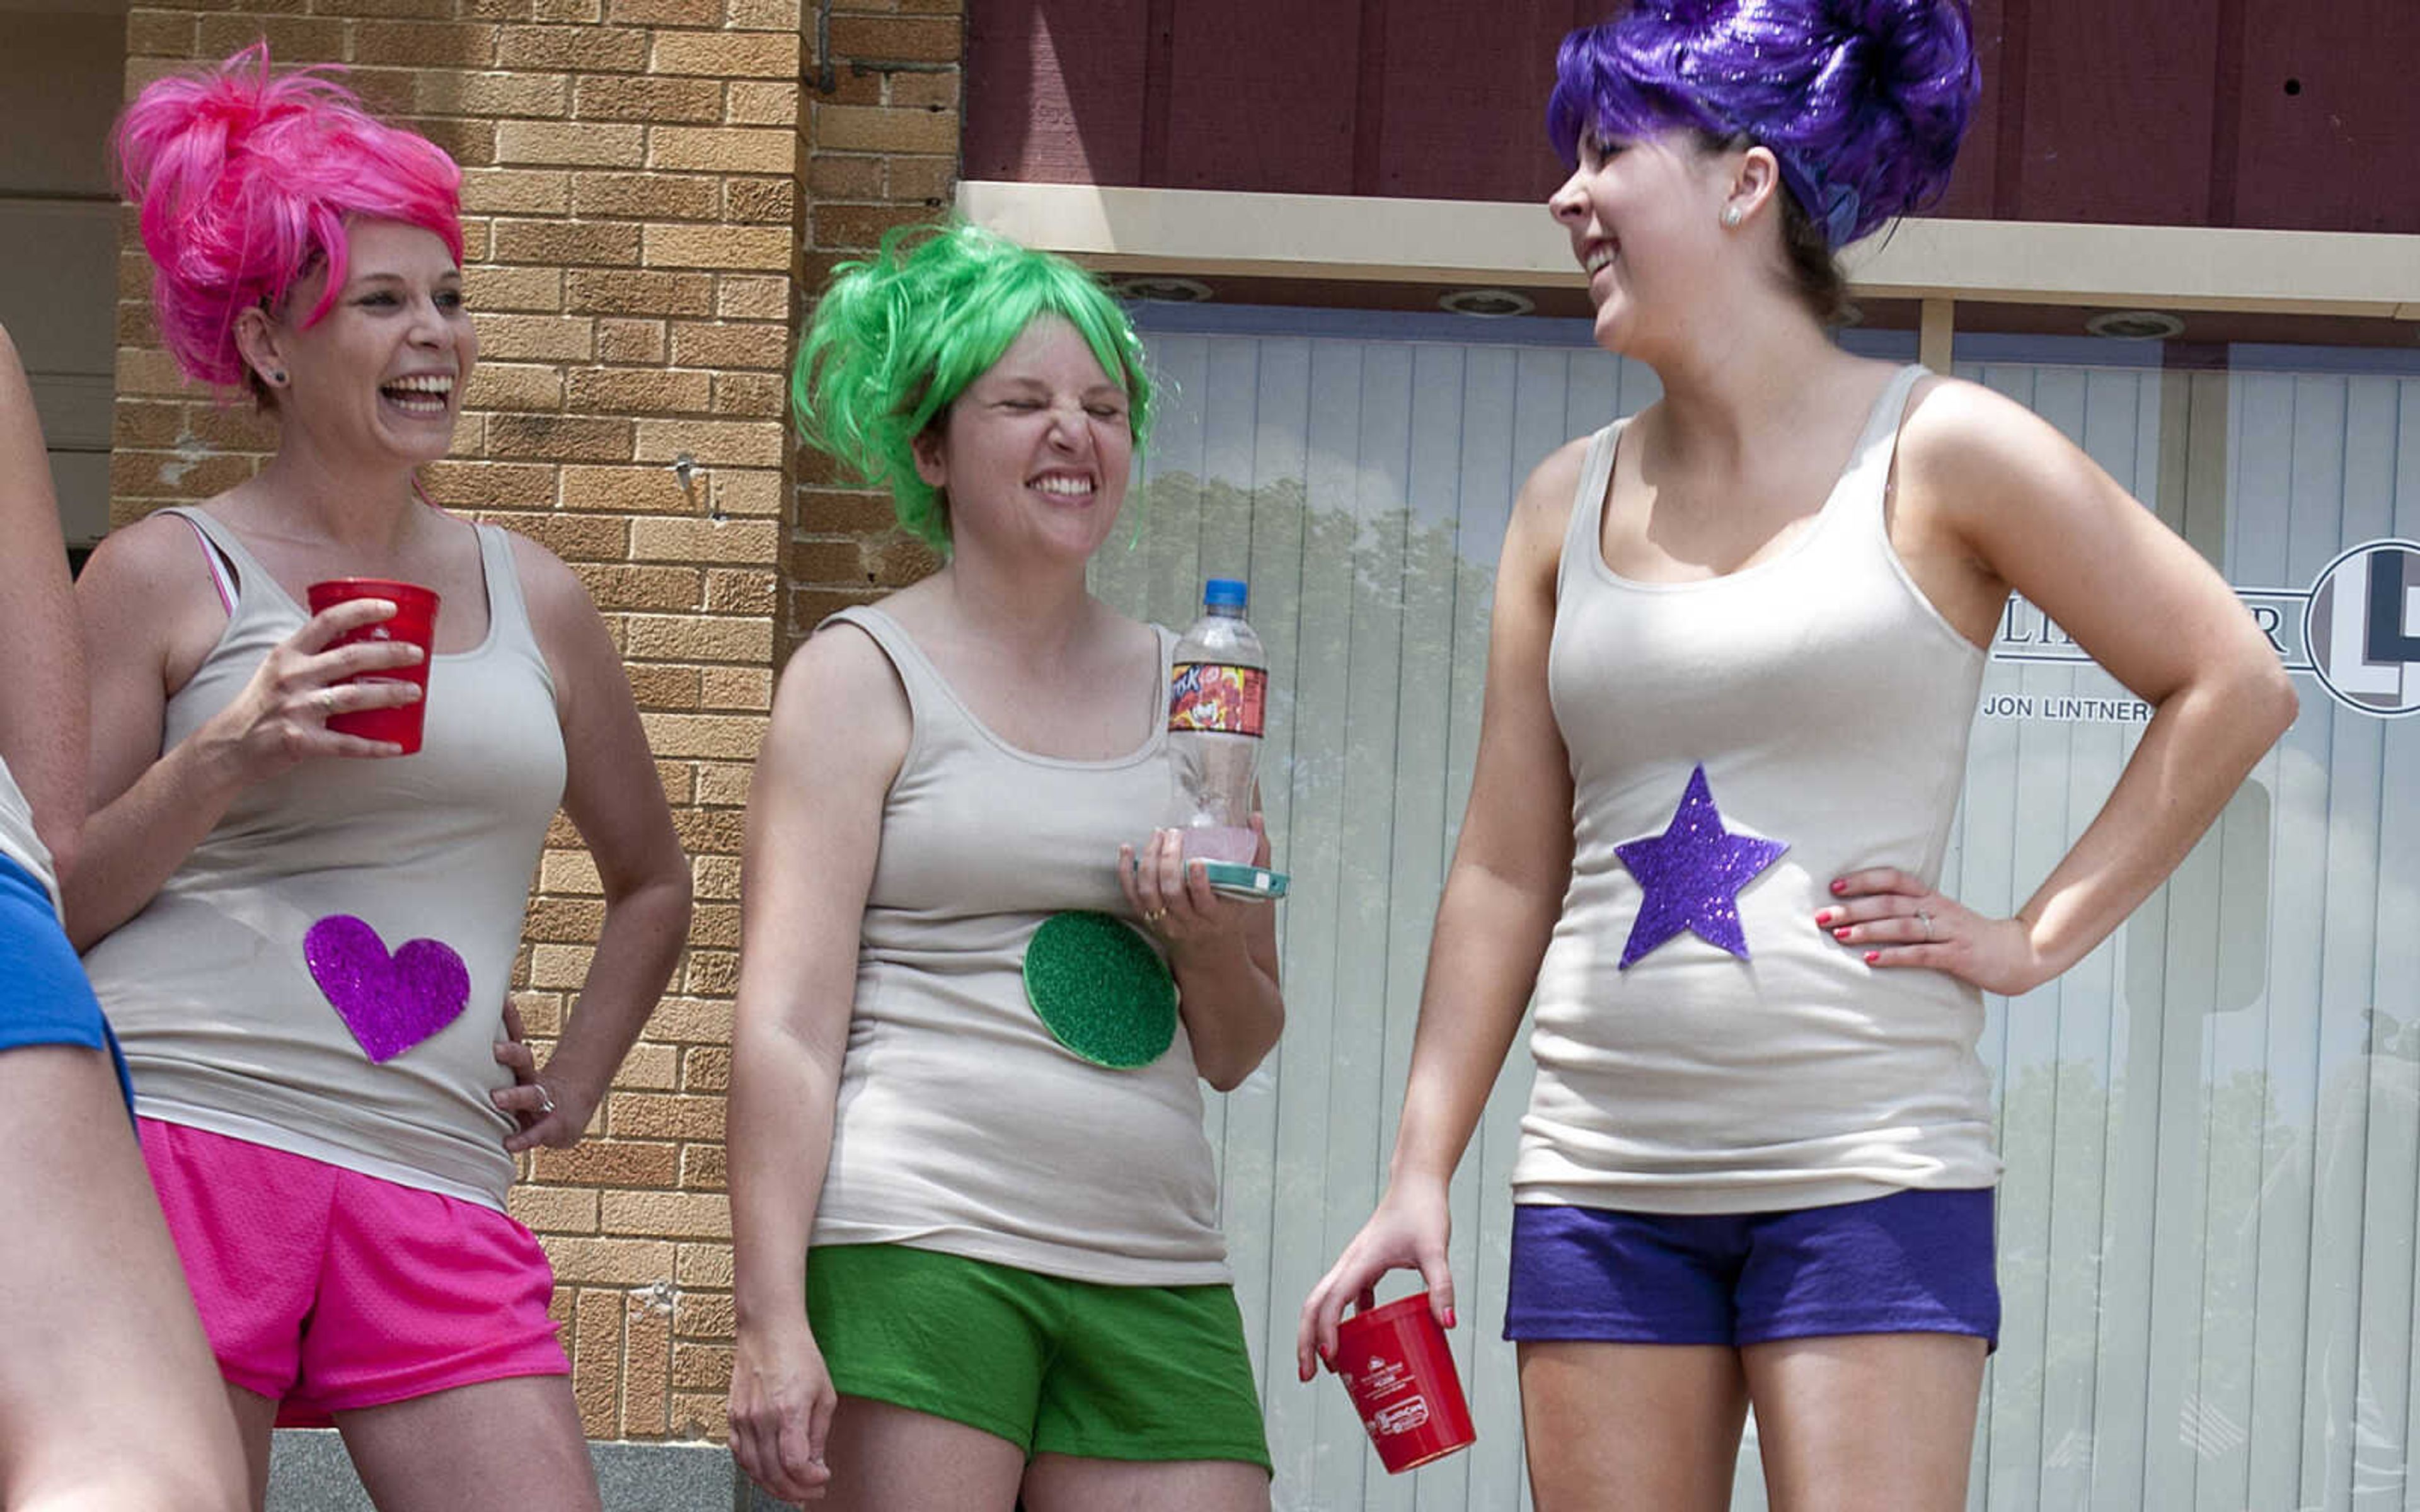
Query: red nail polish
(1823, 917)
(1872, 956)
(1841, 934)
(1449, 1318)
(1838, 886)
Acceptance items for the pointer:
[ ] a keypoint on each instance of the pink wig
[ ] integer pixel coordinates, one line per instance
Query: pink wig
(246, 178)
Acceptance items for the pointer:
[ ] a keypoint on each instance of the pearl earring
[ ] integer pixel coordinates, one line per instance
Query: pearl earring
(1731, 215)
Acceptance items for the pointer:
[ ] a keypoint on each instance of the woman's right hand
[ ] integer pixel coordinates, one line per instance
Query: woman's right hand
(281, 717)
(782, 1402)
(1409, 1231)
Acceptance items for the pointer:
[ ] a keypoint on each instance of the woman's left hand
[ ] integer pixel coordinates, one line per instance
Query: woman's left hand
(548, 1112)
(1174, 897)
(1893, 921)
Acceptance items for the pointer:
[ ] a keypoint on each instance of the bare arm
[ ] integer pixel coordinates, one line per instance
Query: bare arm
(617, 801)
(150, 615)
(1502, 896)
(1223, 952)
(42, 710)
(2041, 518)
(840, 728)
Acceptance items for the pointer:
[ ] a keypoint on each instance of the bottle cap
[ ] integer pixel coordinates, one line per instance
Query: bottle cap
(1225, 592)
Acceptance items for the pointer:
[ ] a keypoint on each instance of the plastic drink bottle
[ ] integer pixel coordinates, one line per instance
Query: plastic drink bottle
(1218, 701)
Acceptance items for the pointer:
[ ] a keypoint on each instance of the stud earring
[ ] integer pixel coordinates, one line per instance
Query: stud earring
(277, 378)
(1731, 216)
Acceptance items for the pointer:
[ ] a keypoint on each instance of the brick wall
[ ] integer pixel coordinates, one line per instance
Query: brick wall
(632, 171)
(882, 131)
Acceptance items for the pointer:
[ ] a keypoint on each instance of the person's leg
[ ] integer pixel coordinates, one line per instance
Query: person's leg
(255, 1423)
(100, 1329)
(500, 1444)
(1869, 1422)
(887, 1458)
(1631, 1428)
(1064, 1483)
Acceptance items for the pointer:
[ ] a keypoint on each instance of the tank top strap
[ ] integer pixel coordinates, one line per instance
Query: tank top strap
(1867, 480)
(929, 695)
(1585, 529)
(508, 613)
(224, 554)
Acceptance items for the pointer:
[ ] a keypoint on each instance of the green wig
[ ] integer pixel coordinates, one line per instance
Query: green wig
(898, 338)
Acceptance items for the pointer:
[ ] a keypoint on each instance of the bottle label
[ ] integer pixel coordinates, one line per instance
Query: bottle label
(1209, 695)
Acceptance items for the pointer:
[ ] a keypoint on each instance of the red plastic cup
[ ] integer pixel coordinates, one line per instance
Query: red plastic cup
(1400, 1376)
(414, 620)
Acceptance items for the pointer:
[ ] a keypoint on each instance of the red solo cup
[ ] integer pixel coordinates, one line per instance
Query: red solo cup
(1400, 1376)
(414, 620)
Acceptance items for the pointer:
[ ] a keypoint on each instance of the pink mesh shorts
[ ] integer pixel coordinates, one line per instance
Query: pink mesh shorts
(328, 1290)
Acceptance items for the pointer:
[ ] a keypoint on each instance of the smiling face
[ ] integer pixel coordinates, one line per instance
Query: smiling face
(1034, 455)
(1645, 218)
(378, 377)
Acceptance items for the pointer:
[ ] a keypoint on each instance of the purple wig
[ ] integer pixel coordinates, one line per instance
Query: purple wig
(246, 178)
(1863, 101)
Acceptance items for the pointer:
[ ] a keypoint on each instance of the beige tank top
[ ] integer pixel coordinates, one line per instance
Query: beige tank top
(963, 1124)
(19, 842)
(326, 972)
(1815, 702)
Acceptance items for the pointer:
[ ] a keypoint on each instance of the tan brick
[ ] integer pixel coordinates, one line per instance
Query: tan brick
(764, 15)
(650, 1068)
(717, 246)
(515, 191)
(761, 202)
(703, 1168)
(640, 98)
(715, 876)
(697, 1414)
(630, 1262)
(420, 44)
(553, 1209)
(756, 495)
(567, 243)
(646, 1351)
(723, 149)
(627, 490)
(664, 12)
(160, 33)
(738, 591)
(703, 1265)
(664, 1116)
(701, 1367)
(704, 1315)
(514, 386)
(617, 589)
(425, 10)
(923, 89)
(900, 38)
(492, 94)
(563, 968)
(566, 10)
(472, 143)
(537, 337)
(836, 175)
(668, 690)
(726, 56)
(563, 920)
(530, 291)
(679, 780)
(610, 1162)
(640, 390)
(647, 197)
(636, 292)
(723, 736)
(685, 1021)
(927, 182)
(745, 297)
(584, 49)
(487, 485)
(668, 1214)
(845, 512)
(751, 102)
(631, 341)
(760, 348)
(288, 36)
(560, 438)
(497, 9)
(862, 225)
(607, 147)
(595, 1360)
(568, 872)
(736, 689)
(697, 638)
(874, 128)
(748, 443)
(765, 395)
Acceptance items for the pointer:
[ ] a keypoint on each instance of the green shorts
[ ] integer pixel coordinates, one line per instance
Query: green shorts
(1052, 1366)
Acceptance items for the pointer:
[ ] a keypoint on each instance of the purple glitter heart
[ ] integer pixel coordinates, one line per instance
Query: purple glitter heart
(389, 1002)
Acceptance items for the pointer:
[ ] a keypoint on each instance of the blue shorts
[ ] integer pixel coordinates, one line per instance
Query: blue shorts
(1913, 1262)
(44, 998)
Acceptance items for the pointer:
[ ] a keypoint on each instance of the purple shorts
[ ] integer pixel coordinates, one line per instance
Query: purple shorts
(1913, 1262)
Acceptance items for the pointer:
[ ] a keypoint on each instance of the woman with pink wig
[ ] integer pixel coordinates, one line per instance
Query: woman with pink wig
(304, 937)
(91, 1347)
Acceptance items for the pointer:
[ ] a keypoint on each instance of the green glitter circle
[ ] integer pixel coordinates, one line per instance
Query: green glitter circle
(1100, 990)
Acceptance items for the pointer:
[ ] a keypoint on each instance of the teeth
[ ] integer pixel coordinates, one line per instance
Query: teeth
(1068, 487)
(1601, 256)
(436, 383)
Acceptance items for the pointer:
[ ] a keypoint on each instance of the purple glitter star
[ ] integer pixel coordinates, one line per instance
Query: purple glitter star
(1692, 874)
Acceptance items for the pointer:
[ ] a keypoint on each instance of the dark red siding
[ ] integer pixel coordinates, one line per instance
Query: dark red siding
(2162, 111)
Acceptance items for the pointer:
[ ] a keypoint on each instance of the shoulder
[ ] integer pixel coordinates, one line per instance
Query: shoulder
(1541, 512)
(838, 700)
(1967, 447)
(555, 594)
(160, 557)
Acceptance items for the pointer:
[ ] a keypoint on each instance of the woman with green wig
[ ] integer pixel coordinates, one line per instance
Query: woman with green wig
(975, 1214)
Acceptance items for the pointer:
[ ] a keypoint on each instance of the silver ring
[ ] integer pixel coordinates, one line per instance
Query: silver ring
(545, 1099)
(1926, 920)
(326, 700)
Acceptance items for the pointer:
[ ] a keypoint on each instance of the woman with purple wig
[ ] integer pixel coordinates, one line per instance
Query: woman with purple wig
(304, 935)
(1736, 648)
